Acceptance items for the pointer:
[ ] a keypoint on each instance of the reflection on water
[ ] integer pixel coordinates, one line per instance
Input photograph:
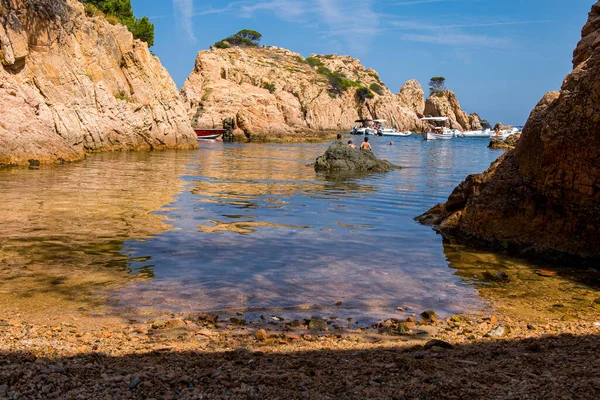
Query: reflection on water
(257, 228)
(234, 227)
(63, 227)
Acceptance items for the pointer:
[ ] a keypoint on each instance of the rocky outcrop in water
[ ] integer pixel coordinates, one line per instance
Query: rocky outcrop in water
(340, 157)
(446, 104)
(275, 93)
(509, 143)
(70, 85)
(543, 197)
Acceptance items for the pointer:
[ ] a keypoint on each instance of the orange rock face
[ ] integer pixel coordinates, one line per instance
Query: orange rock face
(271, 91)
(447, 105)
(543, 197)
(76, 85)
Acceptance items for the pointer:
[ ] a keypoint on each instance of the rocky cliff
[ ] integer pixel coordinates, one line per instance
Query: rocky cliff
(543, 197)
(446, 105)
(70, 84)
(273, 92)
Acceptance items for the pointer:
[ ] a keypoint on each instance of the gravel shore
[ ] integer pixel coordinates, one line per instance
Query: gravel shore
(202, 356)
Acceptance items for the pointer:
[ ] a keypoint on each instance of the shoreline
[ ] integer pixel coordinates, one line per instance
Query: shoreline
(492, 356)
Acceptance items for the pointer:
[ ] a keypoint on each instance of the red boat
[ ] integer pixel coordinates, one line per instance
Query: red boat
(209, 133)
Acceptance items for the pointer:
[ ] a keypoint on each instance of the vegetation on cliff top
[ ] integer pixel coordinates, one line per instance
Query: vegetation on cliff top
(244, 38)
(120, 11)
(437, 85)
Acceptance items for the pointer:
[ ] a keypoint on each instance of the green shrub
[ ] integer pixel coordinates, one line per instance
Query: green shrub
(111, 19)
(364, 93)
(244, 38)
(374, 75)
(437, 85)
(301, 60)
(92, 11)
(314, 62)
(122, 95)
(377, 89)
(269, 86)
(221, 44)
(141, 28)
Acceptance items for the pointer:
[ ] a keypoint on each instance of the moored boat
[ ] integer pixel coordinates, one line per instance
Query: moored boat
(209, 133)
(439, 132)
(476, 134)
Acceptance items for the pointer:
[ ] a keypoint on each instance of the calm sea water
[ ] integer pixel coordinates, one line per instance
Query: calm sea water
(240, 227)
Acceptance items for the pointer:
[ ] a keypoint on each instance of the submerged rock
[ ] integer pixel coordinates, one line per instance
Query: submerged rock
(541, 199)
(340, 157)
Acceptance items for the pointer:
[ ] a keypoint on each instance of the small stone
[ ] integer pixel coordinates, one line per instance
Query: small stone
(499, 331)
(466, 362)
(3, 389)
(134, 383)
(261, 335)
(339, 303)
(429, 316)
(438, 343)
(545, 273)
(318, 324)
(159, 324)
(458, 319)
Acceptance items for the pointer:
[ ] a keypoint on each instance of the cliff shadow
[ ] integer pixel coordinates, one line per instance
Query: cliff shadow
(549, 367)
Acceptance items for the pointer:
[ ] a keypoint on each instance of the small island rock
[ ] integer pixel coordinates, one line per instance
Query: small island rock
(340, 157)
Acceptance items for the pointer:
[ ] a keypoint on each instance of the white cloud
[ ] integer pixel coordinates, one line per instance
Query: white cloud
(184, 12)
(355, 21)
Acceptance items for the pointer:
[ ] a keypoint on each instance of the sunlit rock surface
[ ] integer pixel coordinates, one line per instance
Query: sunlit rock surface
(73, 85)
(543, 197)
(447, 105)
(235, 83)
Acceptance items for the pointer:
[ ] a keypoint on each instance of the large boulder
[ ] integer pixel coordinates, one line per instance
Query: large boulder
(543, 197)
(340, 157)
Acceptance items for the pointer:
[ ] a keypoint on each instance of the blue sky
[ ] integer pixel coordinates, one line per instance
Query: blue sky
(499, 57)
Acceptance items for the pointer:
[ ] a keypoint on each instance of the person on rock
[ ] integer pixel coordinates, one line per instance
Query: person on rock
(366, 145)
(351, 145)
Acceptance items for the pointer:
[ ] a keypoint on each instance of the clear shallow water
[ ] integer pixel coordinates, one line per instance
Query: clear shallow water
(238, 227)
(257, 229)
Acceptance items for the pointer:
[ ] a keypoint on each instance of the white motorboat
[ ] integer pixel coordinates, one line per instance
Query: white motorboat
(504, 133)
(439, 132)
(383, 130)
(397, 134)
(363, 131)
(365, 128)
(476, 134)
